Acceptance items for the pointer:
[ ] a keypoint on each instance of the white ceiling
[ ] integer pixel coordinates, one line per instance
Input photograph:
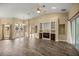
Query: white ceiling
(28, 10)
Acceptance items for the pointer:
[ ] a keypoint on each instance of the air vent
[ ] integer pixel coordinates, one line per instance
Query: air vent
(63, 9)
(43, 5)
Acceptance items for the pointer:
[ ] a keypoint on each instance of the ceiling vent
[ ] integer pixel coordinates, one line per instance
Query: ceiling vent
(43, 5)
(63, 9)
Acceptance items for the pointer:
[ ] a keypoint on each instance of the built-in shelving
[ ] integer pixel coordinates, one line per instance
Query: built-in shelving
(47, 30)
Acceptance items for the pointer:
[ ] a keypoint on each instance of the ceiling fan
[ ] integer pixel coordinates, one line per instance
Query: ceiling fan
(41, 9)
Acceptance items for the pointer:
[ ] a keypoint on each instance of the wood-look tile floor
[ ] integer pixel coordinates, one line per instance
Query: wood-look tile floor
(36, 47)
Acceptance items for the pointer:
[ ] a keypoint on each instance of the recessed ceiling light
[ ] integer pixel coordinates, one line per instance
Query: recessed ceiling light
(53, 7)
(38, 11)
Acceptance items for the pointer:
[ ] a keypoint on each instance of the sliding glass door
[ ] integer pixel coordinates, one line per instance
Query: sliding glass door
(75, 32)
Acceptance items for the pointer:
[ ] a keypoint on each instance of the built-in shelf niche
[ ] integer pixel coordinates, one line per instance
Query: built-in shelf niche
(47, 27)
(47, 30)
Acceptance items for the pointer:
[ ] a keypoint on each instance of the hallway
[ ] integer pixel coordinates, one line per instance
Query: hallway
(35, 47)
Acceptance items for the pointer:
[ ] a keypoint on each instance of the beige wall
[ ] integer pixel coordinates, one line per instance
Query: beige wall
(62, 17)
(73, 10)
